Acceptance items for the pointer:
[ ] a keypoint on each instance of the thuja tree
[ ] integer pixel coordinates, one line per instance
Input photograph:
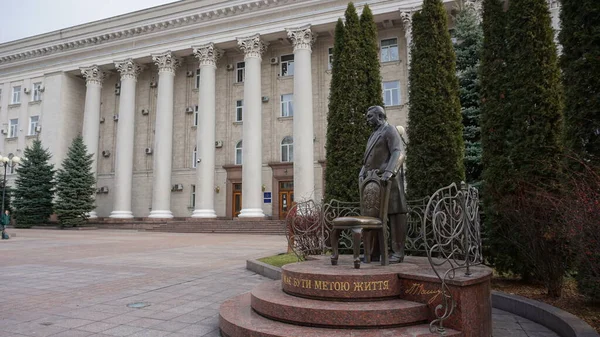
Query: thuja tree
(469, 36)
(435, 154)
(347, 130)
(34, 187)
(533, 97)
(580, 40)
(75, 186)
(372, 89)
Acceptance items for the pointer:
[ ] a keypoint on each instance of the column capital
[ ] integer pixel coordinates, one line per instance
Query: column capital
(166, 62)
(302, 37)
(93, 74)
(252, 46)
(406, 18)
(207, 54)
(128, 68)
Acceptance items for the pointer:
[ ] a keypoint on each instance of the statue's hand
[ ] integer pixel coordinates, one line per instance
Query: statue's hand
(386, 176)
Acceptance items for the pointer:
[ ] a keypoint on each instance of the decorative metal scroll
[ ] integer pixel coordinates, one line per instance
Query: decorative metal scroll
(451, 232)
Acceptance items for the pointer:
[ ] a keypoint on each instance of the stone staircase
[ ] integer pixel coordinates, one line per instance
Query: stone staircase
(192, 225)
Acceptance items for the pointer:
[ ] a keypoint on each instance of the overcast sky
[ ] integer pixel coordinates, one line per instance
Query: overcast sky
(24, 18)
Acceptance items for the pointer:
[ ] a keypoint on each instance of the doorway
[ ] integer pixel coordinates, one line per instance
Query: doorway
(286, 198)
(237, 199)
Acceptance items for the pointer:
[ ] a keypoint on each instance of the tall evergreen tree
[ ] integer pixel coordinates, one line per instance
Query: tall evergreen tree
(34, 187)
(580, 39)
(435, 154)
(347, 131)
(469, 37)
(372, 88)
(75, 186)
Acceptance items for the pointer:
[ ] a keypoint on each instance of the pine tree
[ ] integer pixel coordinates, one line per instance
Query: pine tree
(347, 130)
(34, 187)
(75, 186)
(435, 153)
(469, 36)
(580, 39)
(372, 88)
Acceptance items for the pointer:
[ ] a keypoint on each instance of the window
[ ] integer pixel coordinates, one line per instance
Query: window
(13, 126)
(195, 158)
(239, 110)
(197, 78)
(391, 93)
(37, 92)
(240, 72)
(287, 149)
(287, 65)
(238, 153)
(10, 169)
(193, 196)
(16, 95)
(389, 50)
(329, 58)
(287, 105)
(33, 123)
(196, 115)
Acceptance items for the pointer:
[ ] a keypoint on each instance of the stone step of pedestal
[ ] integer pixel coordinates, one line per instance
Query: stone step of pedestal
(270, 301)
(238, 319)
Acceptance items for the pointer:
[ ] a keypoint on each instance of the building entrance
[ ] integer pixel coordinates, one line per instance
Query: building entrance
(286, 198)
(237, 199)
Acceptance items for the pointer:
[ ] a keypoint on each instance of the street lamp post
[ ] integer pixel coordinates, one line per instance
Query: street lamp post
(10, 161)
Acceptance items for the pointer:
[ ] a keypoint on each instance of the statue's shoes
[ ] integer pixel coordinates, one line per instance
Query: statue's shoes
(396, 258)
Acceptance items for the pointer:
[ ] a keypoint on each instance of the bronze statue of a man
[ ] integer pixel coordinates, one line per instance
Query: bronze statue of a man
(383, 153)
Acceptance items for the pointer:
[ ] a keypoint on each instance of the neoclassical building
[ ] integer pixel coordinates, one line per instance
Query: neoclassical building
(201, 108)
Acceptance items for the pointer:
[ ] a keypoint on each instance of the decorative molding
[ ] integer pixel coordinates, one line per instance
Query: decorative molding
(207, 54)
(187, 20)
(128, 69)
(477, 6)
(166, 62)
(406, 18)
(302, 37)
(252, 46)
(93, 75)
(553, 4)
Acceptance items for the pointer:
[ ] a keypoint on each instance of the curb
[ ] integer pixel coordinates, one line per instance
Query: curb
(555, 319)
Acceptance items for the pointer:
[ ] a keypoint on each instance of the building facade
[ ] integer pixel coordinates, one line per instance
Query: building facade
(202, 108)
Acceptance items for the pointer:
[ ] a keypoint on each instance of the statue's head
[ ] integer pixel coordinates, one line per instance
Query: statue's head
(376, 115)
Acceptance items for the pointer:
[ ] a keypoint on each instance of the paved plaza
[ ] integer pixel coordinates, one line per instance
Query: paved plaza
(128, 283)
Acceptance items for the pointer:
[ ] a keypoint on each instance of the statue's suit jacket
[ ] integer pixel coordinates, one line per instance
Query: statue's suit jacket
(382, 143)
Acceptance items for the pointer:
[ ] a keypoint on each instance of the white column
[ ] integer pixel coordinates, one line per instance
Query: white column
(208, 56)
(407, 23)
(304, 172)
(163, 136)
(252, 47)
(94, 77)
(129, 71)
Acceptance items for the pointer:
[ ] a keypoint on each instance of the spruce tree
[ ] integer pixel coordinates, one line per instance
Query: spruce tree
(75, 186)
(435, 153)
(347, 130)
(580, 61)
(34, 187)
(469, 36)
(372, 87)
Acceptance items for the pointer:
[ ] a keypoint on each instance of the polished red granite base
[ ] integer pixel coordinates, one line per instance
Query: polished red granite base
(315, 298)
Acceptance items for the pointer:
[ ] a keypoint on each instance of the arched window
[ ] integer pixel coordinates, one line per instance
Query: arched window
(238, 153)
(195, 157)
(287, 149)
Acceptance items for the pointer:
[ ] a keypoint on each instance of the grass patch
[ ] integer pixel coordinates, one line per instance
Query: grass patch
(280, 259)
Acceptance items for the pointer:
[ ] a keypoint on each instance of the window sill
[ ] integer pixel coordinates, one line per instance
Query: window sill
(30, 136)
(14, 105)
(238, 84)
(388, 63)
(35, 102)
(194, 127)
(284, 118)
(11, 139)
(195, 90)
(238, 123)
(286, 77)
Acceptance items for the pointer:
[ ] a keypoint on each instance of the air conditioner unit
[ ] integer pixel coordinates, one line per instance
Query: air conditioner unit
(106, 153)
(145, 111)
(103, 189)
(189, 74)
(148, 150)
(177, 187)
(117, 85)
(102, 119)
(189, 109)
(230, 67)
(115, 118)
(117, 91)
(26, 91)
(219, 143)
(153, 84)
(3, 131)
(38, 128)
(274, 60)
(265, 99)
